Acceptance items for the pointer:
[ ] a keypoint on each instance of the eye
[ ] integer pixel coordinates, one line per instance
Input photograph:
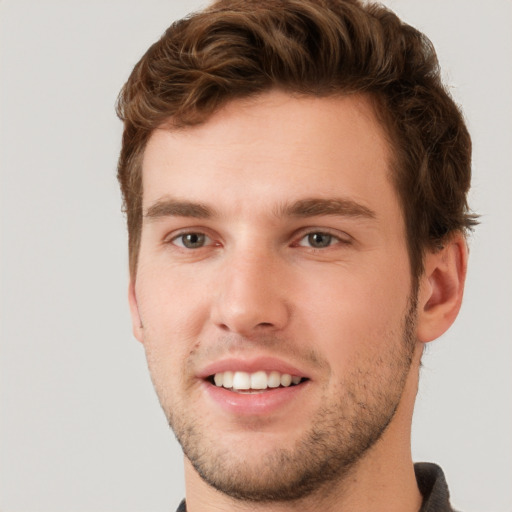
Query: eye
(319, 240)
(192, 240)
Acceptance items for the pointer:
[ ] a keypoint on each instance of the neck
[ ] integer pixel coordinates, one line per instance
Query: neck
(382, 480)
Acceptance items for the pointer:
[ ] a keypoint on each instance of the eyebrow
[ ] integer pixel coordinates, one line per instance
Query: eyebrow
(319, 206)
(170, 207)
(303, 208)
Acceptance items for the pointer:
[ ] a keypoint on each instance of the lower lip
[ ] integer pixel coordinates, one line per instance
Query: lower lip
(251, 404)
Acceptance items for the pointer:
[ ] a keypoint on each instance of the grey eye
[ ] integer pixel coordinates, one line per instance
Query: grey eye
(319, 240)
(191, 240)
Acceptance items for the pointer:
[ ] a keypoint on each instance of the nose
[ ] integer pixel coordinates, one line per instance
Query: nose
(251, 296)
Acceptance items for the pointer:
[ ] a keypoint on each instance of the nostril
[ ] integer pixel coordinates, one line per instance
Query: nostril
(265, 324)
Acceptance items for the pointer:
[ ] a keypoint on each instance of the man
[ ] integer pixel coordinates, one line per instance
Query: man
(295, 180)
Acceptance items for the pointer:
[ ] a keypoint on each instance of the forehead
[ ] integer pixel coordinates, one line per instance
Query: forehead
(276, 147)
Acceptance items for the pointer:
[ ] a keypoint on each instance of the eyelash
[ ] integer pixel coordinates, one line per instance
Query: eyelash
(336, 238)
(331, 240)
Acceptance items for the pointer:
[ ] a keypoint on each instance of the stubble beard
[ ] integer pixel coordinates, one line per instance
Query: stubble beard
(340, 436)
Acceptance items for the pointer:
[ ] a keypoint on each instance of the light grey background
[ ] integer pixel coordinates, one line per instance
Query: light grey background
(80, 427)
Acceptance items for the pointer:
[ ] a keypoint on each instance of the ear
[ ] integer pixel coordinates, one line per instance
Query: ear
(441, 288)
(137, 327)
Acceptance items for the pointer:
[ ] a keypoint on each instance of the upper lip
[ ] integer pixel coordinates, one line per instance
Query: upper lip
(250, 366)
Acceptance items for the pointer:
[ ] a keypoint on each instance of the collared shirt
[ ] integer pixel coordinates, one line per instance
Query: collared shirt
(431, 483)
(433, 487)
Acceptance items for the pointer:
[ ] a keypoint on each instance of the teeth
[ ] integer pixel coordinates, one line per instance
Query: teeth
(286, 379)
(241, 380)
(227, 379)
(218, 379)
(274, 380)
(258, 380)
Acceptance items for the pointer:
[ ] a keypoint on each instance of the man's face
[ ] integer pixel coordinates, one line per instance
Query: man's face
(273, 246)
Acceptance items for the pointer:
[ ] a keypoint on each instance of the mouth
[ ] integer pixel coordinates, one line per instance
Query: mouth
(256, 382)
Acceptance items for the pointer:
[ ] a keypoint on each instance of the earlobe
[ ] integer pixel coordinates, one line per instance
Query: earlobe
(441, 288)
(134, 311)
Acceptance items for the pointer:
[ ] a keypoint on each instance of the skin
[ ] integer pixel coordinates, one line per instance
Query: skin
(344, 315)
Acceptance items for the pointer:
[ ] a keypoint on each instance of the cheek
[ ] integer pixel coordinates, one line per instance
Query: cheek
(169, 329)
(356, 314)
(171, 305)
(172, 319)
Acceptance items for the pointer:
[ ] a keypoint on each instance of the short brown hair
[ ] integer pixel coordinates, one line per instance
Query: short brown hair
(239, 48)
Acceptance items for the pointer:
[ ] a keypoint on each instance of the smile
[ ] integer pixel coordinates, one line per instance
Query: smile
(258, 381)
